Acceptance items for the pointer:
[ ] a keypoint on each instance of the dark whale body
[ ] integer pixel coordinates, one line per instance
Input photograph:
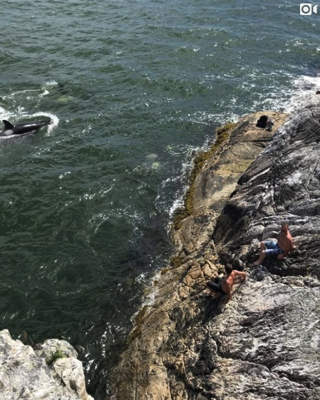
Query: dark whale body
(22, 128)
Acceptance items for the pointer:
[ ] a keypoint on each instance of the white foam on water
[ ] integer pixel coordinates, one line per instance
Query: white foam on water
(177, 203)
(183, 177)
(45, 93)
(51, 84)
(290, 99)
(14, 94)
(5, 114)
(303, 91)
(151, 289)
(31, 93)
(54, 120)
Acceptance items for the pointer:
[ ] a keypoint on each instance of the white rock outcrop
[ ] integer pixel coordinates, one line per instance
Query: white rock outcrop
(25, 373)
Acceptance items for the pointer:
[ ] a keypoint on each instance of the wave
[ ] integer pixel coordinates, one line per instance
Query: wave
(54, 120)
(303, 91)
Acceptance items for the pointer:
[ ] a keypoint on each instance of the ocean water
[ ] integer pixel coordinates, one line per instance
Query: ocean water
(132, 88)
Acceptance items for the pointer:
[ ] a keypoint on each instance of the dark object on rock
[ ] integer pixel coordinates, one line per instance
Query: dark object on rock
(262, 121)
(260, 273)
(318, 92)
(265, 123)
(216, 286)
(237, 264)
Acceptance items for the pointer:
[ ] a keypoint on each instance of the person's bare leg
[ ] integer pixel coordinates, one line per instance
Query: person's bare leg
(262, 254)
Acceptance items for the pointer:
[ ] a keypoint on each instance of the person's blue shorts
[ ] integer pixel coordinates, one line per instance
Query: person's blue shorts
(272, 248)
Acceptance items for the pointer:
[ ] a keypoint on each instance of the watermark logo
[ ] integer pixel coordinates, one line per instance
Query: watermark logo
(308, 8)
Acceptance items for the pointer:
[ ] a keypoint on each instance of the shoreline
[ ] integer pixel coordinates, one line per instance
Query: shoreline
(154, 323)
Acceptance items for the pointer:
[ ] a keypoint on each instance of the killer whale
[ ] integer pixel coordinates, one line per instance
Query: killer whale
(22, 128)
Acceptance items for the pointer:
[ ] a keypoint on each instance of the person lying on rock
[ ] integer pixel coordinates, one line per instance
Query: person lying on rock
(223, 286)
(277, 249)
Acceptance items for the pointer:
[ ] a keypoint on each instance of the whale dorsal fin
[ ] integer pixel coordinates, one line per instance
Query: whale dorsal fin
(7, 124)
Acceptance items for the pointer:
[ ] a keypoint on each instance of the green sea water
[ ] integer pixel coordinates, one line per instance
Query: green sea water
(132, 89)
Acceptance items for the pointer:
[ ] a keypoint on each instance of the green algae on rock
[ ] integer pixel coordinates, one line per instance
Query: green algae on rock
(175, 262)
(138, 320)
(54, 357)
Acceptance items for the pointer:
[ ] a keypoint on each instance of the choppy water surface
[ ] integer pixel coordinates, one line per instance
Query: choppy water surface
(131, 87)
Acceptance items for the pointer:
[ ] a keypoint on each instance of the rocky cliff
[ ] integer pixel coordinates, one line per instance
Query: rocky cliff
(49, 371)
(264, 343)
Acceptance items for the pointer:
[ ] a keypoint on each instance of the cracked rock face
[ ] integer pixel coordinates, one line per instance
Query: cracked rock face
(268, 342)
(282, 185)
(264, 344)
(24, 373)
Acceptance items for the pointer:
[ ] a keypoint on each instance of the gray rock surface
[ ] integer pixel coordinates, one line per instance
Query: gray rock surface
(25, 374)
(264, 343)
(282, 185)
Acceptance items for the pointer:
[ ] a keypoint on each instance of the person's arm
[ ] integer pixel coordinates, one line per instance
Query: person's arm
(241, 275)
(289, 248)
(282, 255)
